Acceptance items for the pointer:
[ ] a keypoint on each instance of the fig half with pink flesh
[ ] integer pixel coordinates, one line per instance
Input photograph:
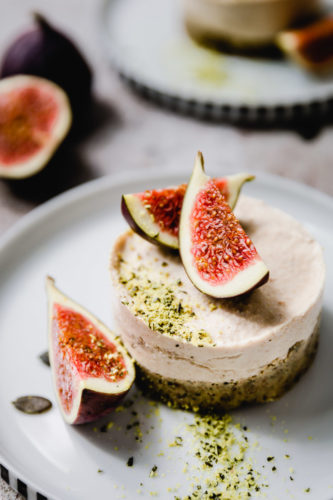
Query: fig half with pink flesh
(35, 117)
(310, 46)
(91, 370)
(154, 214)
(217, 254)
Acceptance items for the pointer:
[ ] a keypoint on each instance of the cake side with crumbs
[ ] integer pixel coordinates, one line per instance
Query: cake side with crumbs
(198, 352)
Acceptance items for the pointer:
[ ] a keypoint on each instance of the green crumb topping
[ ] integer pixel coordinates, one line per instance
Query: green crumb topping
(220, 446)
(159, 305)
(153, 472)
(177, 442)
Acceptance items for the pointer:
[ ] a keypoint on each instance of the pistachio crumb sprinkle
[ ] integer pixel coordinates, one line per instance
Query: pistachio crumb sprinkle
(153, 472)
(159, 305)
(225, 470)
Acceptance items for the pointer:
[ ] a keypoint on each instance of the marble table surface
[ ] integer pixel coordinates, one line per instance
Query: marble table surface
(130, 133)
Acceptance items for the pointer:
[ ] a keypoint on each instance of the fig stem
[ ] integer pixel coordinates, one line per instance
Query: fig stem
(42, 22)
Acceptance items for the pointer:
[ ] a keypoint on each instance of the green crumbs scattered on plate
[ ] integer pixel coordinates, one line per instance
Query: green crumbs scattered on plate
(224, 469)
(191, 61)
(194, 457)
(216, 458)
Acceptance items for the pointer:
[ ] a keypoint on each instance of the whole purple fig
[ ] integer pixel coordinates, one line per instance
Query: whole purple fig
(48, 53)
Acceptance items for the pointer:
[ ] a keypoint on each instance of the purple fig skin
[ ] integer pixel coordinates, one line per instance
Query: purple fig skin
(50, 54)
(95, 405)
(131, 222)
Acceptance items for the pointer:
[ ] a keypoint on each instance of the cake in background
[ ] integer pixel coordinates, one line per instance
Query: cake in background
(245, 23)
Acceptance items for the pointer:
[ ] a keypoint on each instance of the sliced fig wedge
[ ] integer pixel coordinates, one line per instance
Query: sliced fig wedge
(35, 116)
(311, 46)
(154, 214)
(218, 256)
(91, 370)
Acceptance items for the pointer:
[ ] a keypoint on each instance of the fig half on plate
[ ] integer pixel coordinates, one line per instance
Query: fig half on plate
(311, 46)
(35, 117)
(217, 254)
(154, 214)
(91, 370)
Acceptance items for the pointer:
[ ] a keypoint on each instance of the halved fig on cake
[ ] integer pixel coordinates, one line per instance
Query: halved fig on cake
(154, 214)
(35, 117)
(311, 46)
(91, 370)
(218, 256)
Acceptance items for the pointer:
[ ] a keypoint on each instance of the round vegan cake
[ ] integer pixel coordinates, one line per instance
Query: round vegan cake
(196, 352)
(244, 23)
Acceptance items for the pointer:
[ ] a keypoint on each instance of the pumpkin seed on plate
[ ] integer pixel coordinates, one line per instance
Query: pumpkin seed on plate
(32, 404)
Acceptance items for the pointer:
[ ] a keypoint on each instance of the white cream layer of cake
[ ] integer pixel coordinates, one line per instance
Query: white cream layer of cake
(232, 339)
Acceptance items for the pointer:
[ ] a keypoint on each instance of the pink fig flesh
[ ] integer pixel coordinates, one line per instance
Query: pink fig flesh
(91, 371)
(310, 46)
(217, 254)
(155, 214)
(35, 117)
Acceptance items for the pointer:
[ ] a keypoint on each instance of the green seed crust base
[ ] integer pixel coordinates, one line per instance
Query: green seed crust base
(270, 384)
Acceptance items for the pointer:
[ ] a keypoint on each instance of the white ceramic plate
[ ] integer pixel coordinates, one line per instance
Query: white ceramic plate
(70, 238)
(148, 44)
